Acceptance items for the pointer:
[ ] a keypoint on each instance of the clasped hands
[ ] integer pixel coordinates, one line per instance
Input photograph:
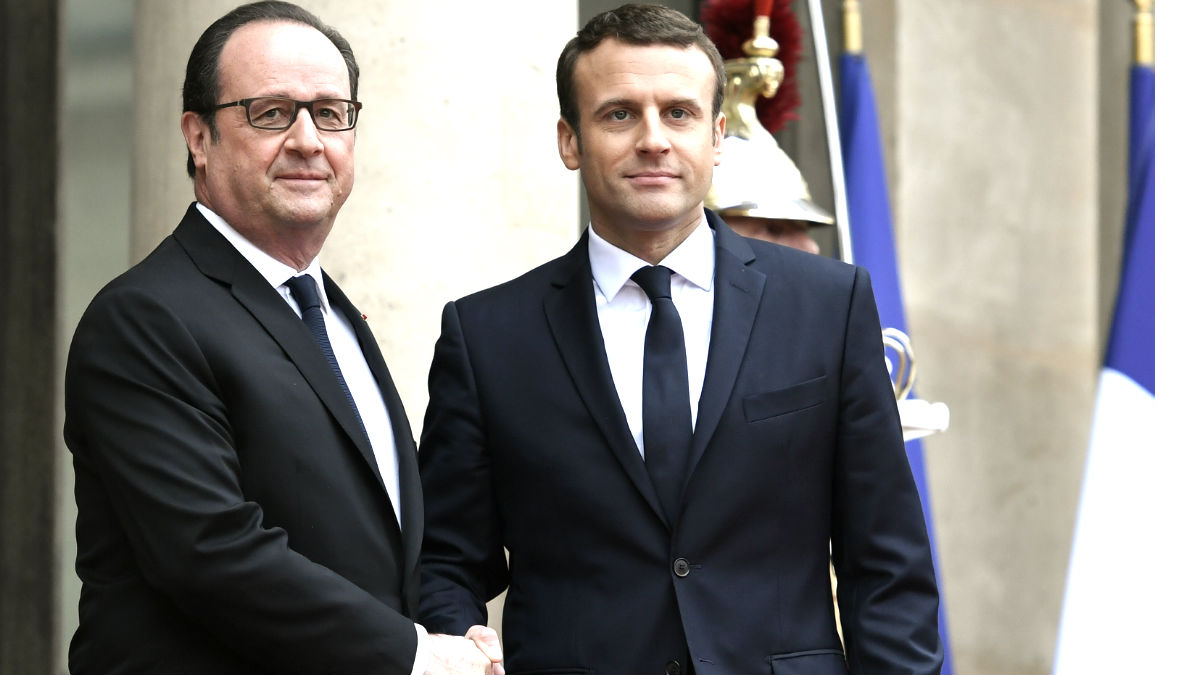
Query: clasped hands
(476, 652)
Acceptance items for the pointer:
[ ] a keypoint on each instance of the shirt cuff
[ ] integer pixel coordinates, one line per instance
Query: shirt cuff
(421, 660)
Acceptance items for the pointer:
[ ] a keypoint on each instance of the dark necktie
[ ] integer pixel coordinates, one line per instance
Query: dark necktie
(304, 289)
(666, 408)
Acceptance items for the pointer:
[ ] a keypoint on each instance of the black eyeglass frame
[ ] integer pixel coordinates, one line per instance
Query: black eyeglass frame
(299, 105)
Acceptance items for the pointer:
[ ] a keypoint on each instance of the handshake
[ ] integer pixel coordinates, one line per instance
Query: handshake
(476, 652)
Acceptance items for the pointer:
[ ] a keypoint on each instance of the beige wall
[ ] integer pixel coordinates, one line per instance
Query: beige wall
(995, 197)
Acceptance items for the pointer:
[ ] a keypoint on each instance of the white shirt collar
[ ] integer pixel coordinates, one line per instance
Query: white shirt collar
(694, 260)
(276, 273)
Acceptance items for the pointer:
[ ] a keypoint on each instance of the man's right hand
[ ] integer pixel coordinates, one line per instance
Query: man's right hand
(479, 653)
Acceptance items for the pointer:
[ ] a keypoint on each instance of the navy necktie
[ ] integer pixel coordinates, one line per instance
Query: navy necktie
(666, 407)
(304, 290)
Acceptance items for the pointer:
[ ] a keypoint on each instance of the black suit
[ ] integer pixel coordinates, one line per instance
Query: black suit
(797, 445)
(231, 515)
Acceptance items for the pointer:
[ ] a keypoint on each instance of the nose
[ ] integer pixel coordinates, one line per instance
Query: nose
(652, 140)
(303, 136)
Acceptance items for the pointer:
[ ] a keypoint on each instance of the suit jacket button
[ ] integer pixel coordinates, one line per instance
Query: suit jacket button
(681, 569)
(673, 666)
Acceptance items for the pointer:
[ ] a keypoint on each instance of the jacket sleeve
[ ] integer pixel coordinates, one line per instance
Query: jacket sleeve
(463, 563)
(887, 594)
(156, 460)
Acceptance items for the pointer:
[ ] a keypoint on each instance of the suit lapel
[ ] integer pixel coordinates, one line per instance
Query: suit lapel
(738, 290)
(411, 506)
(217, 258)
(571, 313)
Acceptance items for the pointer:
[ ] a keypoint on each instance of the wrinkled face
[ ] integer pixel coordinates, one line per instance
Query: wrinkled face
(271, 185)
(647, 142)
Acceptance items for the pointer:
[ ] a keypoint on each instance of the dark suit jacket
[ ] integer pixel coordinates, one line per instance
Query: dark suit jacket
(231, 514)
(797, 445)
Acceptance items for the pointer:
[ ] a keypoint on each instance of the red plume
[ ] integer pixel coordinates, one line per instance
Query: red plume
(729, 23)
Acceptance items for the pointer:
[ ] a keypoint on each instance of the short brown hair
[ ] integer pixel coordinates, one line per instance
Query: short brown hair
(636, 25)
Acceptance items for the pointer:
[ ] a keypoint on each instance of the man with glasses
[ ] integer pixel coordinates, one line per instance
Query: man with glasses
(245, 472)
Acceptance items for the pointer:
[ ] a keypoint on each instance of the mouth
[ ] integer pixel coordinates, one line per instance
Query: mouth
(302, 176)
(652, 178)
(302, 182)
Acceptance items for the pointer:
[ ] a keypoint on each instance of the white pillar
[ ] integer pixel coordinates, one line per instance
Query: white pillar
(997, 227)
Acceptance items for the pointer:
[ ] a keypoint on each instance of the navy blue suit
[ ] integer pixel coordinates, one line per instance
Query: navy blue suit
(797, 445)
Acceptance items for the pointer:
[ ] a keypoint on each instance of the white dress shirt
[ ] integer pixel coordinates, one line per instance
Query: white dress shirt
(355, 371)
(367, 396)
(624, 312)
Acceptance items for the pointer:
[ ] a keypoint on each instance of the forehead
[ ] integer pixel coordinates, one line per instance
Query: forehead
(284, 58)
(616, 69)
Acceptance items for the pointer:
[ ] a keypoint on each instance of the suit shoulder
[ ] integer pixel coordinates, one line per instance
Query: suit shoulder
(521, 288)
(151, 274)
(165, 282)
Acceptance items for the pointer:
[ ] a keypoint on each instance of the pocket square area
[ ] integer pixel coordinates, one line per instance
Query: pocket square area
(781, 401)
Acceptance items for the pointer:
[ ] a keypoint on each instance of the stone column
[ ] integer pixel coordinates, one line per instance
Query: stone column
(995, 202)
(28, 262)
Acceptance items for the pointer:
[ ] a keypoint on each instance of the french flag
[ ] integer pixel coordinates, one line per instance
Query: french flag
(1117, 612)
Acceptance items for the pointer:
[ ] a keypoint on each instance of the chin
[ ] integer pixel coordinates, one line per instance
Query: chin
(664, 214)
(307, 210)
(304, 218)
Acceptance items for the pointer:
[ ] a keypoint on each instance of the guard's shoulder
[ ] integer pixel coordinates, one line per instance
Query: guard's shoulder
(783, 261)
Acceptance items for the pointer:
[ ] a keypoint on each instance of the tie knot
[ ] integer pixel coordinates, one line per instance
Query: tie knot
(304, 289)
(655, 280)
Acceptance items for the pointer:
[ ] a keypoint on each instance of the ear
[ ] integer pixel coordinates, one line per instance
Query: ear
(718, 138)
(568, 145)
(198, 136)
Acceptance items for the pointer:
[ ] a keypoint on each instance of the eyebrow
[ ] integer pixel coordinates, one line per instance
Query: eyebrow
(613, 103)
(682, 102)
(276, 93)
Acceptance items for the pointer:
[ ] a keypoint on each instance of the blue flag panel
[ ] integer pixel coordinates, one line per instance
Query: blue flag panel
(1131, 342)
(875, 248)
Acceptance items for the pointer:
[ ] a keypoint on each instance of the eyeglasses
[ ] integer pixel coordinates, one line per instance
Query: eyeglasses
(276, 114)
